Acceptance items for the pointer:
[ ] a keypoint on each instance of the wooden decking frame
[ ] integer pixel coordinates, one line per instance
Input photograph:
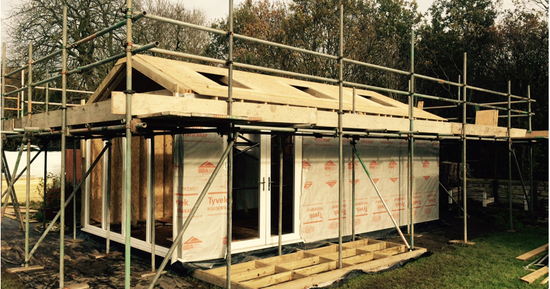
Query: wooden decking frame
(307, 268)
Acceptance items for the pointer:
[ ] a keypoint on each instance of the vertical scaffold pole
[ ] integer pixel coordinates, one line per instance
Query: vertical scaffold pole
(353, 192)
(29, 82)
(231, 139)
(22, 105)
(108, 196)
(128, 171)
(464, 202)
(74, 184)
(63, 151)
(28, 195)
(281, 143)
(47, 92)
(3, 78)
(340, 136)
(230, 62)
(45, 183)
(27, 201)
(411, 144)
(531, 184)
(509, 124)
(151, 195)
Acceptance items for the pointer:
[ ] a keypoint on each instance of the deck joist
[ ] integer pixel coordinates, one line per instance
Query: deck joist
(307, 268)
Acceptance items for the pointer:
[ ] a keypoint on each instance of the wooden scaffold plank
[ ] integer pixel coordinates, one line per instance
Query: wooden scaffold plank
(532, 253)
(535, 275)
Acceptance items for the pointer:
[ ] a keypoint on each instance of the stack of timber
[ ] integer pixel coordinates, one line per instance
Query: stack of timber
(311, 267)
(498, 189)
(533, 276)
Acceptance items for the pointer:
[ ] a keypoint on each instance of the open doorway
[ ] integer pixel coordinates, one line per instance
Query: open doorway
(256, 183)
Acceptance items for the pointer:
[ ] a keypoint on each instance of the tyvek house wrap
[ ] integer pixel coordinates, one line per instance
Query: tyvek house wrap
(196, 155)
(387, 162)
(205, 238)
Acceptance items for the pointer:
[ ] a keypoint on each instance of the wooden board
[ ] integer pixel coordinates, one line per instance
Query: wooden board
(487, 117)
(535, 275)
(544, 281)
(532, 253)
(91, 113)
(77, 286)
(537, 134)
(24, 269)
(310, 267)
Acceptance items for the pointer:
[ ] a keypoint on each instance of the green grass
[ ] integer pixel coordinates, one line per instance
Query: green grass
(10, 281)
(490, 263)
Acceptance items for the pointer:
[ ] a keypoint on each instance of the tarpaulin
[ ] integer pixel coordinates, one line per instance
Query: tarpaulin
(387, 162)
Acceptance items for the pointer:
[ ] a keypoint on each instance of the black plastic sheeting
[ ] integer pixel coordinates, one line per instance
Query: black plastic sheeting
(356, 273)
(292, 248)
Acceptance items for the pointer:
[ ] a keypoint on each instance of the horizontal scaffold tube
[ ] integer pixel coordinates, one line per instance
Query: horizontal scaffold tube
(377, 66)
(86, 67)
(67, 90)
(437, 98)
(185, 24)
(353, 84)
(52, 103)
(496, 92)
(81, 41)
(438, 80)
(295, 74)
(184, 55)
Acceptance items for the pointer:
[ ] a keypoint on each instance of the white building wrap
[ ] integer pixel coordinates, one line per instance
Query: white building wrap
(386, 161)
(205, 238)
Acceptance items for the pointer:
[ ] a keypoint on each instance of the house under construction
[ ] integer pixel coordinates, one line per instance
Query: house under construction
(197, 162)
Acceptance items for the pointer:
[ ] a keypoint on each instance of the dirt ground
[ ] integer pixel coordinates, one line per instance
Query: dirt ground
(109, 272)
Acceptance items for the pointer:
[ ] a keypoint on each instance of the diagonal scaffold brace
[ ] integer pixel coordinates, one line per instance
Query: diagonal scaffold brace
(177, 240)
(11, 182)
(20, 174)
(68, 201)
(380, 196)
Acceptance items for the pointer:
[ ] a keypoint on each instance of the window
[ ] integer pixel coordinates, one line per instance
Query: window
(312, 92)
(222, 80)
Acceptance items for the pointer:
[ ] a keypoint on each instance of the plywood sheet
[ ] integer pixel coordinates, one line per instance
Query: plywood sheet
(487, 117)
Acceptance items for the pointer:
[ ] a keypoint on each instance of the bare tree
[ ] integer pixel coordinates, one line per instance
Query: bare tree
(170, 36)
(40, 22)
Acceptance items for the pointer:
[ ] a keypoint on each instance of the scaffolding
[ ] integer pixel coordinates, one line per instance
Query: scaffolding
(230, 126)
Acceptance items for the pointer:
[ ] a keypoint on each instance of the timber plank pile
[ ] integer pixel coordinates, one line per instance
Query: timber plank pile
(310, 267)
(536, 274)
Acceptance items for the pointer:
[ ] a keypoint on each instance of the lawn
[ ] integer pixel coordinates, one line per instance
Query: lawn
(490, 263)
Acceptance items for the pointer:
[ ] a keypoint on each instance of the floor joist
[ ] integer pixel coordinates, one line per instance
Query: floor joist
(309, 267)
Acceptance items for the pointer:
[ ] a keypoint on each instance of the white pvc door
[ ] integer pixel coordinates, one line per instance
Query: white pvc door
(256, 186)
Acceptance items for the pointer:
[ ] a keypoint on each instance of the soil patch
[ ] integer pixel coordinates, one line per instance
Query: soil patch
(109, 272)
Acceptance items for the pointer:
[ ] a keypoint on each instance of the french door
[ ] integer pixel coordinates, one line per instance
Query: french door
(256, 190)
